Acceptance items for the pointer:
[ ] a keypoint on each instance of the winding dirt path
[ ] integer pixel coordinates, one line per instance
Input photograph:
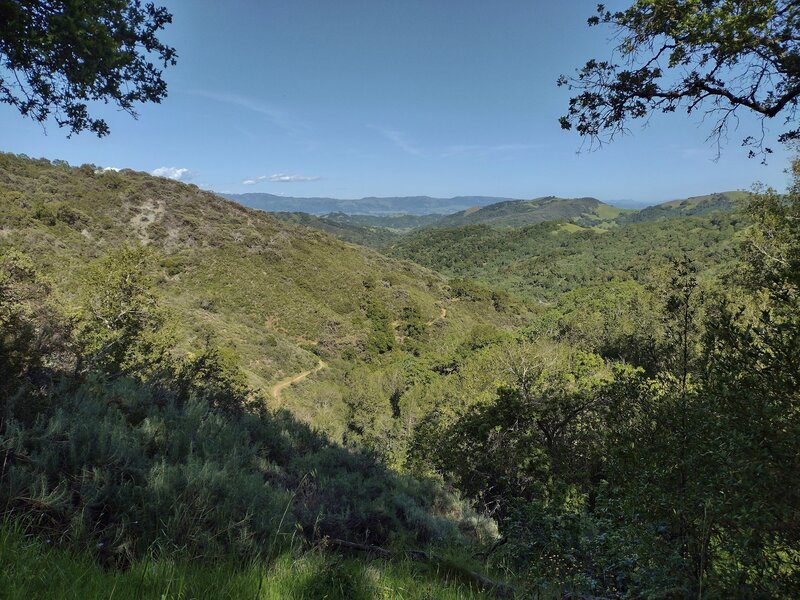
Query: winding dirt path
(442, 316)
(291, 380)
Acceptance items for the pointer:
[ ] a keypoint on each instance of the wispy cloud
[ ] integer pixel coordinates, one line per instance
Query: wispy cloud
(283, 178)
(176, 173)
(406, 143)
(274, 115)
(399, 139)
(486, 149)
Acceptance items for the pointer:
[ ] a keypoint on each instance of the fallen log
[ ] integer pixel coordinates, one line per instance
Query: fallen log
(501, 590)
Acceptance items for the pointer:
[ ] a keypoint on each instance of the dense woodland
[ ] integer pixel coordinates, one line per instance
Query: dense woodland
(607, 409)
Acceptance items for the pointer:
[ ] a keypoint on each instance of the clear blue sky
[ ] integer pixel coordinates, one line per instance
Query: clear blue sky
(389, 98)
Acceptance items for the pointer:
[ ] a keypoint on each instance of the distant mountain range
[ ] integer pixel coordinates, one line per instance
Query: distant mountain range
(411, 205)
(402, 213)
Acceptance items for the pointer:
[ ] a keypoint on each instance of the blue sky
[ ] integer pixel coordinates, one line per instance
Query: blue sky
(377, 97)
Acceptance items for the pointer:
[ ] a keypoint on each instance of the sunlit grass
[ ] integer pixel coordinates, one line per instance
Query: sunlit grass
(32, 570)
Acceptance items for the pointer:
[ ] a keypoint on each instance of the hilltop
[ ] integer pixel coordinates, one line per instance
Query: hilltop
(518, 213)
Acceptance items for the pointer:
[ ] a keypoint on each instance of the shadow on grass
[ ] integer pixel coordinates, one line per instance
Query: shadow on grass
(125, 467)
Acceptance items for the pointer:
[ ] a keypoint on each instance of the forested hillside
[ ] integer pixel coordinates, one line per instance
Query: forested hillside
(575, 215)
(695, 206)
(543, 261)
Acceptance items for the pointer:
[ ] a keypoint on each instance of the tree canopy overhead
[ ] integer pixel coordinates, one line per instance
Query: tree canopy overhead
(713, 57)
(56, 56)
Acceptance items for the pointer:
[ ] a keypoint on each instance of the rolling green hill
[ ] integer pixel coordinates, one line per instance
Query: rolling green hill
(447, 421)
(696, 206)
(518, 213)
(575, 215)
(380, 231)
(168, 442)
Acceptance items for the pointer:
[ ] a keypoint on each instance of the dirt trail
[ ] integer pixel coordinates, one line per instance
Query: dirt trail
(288, 381)
(442, 316)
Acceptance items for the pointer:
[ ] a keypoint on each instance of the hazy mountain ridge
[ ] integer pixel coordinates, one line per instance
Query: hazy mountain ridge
(415, 205)
(575, 215)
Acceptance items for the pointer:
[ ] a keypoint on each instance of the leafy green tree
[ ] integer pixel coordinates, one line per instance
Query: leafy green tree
(213, 375)
(59, 55)
(618, 320)
(381, 337)
(702, 461)
(752, 385)
(537, 434)
(123, 329)
(716, 57)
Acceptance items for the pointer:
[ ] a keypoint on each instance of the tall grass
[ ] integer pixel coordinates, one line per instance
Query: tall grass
(31, 570)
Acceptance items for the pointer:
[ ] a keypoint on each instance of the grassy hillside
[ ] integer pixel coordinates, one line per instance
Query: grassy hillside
(279, 297)
(33, 570)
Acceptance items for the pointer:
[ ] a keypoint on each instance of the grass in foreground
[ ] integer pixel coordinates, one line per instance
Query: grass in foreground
(31, 570)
